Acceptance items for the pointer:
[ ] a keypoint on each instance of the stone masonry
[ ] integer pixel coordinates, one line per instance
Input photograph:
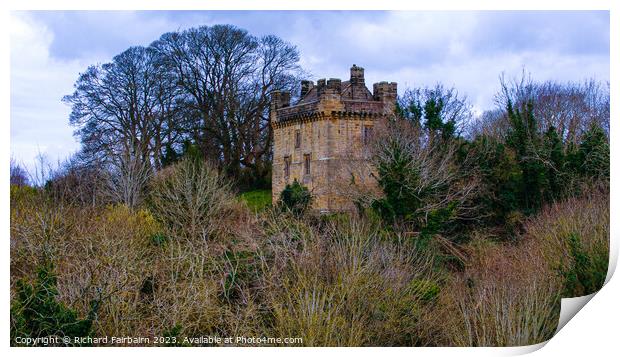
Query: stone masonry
(323, 133)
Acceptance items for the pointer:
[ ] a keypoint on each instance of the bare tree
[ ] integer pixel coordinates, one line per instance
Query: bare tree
(570, 107)
(420, 175)
(125, 113)
(114, 105)
(226, 75)
(126, 178)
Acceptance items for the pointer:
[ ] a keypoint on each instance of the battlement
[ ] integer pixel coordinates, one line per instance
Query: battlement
(333, 94)
(315, 138)
(329, 88)
(384, 91)
(306, 87)
(280, 99)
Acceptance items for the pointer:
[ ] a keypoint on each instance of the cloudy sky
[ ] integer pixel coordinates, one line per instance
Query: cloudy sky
(467, 50)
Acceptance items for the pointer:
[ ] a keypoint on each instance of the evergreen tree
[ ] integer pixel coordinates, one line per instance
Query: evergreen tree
(524, 138)
(554, 152)
(397, 178)
(432, 114)
(594, 153)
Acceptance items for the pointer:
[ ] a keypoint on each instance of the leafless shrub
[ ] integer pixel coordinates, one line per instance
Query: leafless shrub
(509, 295)
(191, 198)
(18, 175)
(79, 182)
(126, 178)
(346, 286)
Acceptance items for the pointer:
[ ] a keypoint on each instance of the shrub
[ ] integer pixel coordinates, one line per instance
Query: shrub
(35, 312)
(594, 153)
(345, 285)
(509, 294)
(295, 198)
(159, 239)
(573, 237)
(586, 274)
(505, 297)
(424, 187)
(240, 270)
(190, 198)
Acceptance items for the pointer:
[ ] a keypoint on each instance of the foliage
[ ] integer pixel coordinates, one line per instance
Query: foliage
(441, 111)
(400, 201)
(422, 178)
(36, 312)
(594, 153)
(496, 166)
(295, 197)
(524, 138)
(586, 275)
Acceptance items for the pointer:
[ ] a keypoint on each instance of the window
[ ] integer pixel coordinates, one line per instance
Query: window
(367, 134)
(307, 164)
(297, 139)
(287, 166)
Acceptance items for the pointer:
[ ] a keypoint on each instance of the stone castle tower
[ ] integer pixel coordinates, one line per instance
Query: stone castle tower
(317, 138)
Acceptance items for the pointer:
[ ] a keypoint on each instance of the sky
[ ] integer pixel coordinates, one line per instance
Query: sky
(466, 50)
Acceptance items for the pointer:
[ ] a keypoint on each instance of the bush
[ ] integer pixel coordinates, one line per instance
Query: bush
(573, 237)
(190, 198)
(586, 274)
(509, 294)
(35, 312)
(594, 153)
(506, 296)
(295, 198)
(343, 284)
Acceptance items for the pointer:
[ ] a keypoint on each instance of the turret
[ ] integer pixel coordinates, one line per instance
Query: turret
(386, 93)
(329, 89)
(278, 100)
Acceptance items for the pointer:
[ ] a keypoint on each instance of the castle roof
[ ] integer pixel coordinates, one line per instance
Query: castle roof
(348, 92)
(334, 97)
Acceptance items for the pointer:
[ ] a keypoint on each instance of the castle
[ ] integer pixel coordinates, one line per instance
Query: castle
(316, 139)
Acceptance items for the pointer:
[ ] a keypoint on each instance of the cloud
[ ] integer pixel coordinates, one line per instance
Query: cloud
(39, 122)
(468, 50)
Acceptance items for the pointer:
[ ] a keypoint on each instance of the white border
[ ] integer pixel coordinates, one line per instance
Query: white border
(594, 329)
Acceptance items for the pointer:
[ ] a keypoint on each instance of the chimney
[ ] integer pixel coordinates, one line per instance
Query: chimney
(357, 75)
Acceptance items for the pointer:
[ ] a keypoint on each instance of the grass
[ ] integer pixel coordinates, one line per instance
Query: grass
(257, 200)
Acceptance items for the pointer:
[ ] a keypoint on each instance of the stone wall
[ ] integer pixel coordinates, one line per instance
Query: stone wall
(331, 127)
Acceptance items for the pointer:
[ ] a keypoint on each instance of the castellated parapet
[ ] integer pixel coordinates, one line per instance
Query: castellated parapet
(321, 136)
